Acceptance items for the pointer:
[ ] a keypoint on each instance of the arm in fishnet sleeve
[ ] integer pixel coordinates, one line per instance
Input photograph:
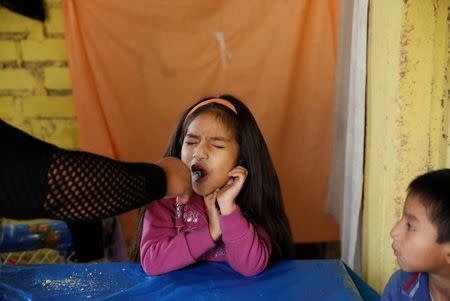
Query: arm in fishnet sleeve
(38, 179)
(86, 186)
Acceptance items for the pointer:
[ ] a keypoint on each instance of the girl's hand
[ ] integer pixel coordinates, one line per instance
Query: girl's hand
(226, 196)
(213, 215)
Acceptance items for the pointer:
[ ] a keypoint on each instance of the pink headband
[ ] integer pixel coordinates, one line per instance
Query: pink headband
(223, 102)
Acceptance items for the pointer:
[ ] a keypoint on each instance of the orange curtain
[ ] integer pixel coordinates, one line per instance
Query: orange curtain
(136, 65)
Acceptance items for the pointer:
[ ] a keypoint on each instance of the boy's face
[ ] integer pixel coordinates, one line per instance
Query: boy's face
(210, 149)
(415, 243)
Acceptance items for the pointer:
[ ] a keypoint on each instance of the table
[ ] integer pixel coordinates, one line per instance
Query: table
(286, 280)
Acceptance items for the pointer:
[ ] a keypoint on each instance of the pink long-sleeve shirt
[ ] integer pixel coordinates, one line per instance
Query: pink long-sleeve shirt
(176, 236)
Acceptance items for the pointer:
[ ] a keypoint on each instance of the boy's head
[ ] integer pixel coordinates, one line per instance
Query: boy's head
(422, 236)
(433, 190)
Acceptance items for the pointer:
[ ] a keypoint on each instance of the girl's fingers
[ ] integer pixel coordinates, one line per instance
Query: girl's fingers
(237, 177)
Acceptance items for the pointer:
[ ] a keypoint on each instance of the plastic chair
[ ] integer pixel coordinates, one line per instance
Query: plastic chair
(44, 242)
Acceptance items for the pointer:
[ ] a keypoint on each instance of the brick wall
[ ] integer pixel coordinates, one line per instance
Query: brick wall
(35, 87)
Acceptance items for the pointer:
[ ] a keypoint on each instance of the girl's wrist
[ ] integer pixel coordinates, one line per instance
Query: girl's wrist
(214, 234)
(227, 209)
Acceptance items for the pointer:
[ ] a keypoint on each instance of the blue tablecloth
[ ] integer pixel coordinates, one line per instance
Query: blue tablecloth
(287, 280)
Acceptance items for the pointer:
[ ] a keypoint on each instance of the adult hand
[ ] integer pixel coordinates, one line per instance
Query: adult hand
(226, 196)
(178, 177)
(213, 215)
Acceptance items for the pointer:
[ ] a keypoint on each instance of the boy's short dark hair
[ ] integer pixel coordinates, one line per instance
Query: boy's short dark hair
(433, 190)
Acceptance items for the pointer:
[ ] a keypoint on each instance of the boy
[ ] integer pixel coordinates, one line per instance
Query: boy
(421, 241)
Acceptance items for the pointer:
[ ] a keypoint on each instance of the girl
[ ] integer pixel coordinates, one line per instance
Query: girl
(236, 211)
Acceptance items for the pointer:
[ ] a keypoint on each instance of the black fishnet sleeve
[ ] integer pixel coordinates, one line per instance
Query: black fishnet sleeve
(38, 180)
(84, 186)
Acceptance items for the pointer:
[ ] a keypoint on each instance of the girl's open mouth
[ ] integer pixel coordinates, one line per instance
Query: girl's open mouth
(199, 174)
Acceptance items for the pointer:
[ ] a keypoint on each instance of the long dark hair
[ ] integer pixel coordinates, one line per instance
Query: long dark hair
(260, 199)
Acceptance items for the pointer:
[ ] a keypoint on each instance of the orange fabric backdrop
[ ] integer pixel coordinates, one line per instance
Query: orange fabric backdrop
(135, 65)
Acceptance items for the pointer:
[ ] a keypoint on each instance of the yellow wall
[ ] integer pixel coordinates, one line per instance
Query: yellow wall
(407, 109)
(448, 89)
(35, 88)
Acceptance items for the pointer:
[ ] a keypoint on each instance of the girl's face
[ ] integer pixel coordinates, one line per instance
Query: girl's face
(211, 151)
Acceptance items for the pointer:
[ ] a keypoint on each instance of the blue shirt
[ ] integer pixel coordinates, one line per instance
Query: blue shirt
(405, 286)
